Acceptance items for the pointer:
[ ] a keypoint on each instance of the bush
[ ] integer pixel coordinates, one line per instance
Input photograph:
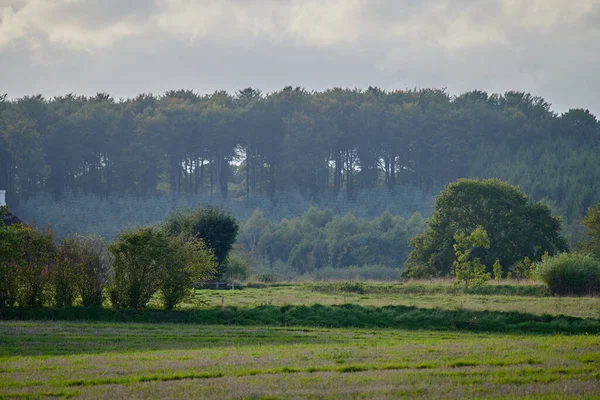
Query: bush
(83, 267)
(577, 274)
(38, 264)
(95, 269)
(189, 261)
(140, 255)
(215, 227)
(64, 276)
(12, 239)
(147, 260)
(236, 269)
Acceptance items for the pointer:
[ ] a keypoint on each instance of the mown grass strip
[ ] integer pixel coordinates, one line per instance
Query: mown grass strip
(41, 395)
(335, 316)
(513, 376)
(147, 378)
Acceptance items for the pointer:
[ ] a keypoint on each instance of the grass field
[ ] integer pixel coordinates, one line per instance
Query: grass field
(297, 358)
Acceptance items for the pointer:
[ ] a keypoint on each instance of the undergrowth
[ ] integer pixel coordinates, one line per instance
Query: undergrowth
(341, 316)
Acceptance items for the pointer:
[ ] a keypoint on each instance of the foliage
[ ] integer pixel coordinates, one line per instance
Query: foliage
(336, 316)
(467, 268)
(524, 269)
(65, 274)
(591, 242)
(568, 274)
(96, 269)
(337, 143)
(83, 268)
(140, 259)
(497, 270)
(12, 260)
(39, 261)
(210, 224)
(236, 269)
(149, 259)
(516, 227)
(189, 261)
(107, 216)
(321, 239)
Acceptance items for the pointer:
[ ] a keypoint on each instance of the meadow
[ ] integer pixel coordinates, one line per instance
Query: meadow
(313, 340)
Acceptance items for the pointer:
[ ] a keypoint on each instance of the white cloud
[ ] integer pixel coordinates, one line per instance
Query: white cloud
(548, 47)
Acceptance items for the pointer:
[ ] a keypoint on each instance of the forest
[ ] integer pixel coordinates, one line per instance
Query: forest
(294, 143)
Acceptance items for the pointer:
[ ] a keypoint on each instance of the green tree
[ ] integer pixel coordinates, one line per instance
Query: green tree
(516, 227)
(140, 259)
(215, 227)
(497, 270)
(39, 263)
(12, 259)
(591, 242)
(189, 261)
(467, 268)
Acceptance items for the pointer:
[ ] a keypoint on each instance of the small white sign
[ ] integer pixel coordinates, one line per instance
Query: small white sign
(2, 198)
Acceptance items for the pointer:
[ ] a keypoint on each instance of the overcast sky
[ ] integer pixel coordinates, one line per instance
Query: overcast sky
(550, 48)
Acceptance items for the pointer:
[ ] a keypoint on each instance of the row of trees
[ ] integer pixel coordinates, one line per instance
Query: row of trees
(338, 140)
(167, 260)
(320, 239)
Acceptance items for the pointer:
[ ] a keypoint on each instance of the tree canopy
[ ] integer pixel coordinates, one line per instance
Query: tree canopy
(516, 227)
(251, 143)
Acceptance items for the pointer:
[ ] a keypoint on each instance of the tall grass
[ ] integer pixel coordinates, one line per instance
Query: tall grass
(570, 273)
(342, 316)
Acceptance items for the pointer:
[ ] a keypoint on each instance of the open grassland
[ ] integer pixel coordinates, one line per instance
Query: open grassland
(321, 340)
(523, 297)
(125, 360)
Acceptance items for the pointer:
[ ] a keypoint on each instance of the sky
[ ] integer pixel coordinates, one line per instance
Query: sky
(550, 48)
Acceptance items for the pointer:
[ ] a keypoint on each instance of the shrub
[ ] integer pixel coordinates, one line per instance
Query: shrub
(140, 255)
(524, 269)
(12, 239)
(188, 261)
(83, 267)
(94, 269)
(236, 269)
(497, 269)
(64, 275)
(39, 261)
(470, 270)
(573, 273)
(215, 227)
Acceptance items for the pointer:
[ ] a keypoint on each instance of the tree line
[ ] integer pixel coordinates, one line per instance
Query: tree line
(339, 140)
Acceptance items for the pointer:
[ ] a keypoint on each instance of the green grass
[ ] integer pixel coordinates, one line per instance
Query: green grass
(39, 359)
(342, 316)
(364, 340)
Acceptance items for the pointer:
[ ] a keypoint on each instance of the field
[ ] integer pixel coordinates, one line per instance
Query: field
(363, 341)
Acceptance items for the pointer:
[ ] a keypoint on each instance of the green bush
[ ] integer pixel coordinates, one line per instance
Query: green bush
(147, 260)
(236, 269)
(36, 270)
(12, 258)
(140, 256)
(64, 276)
(94, 269)
(577, 274)
(211, 224)
(188, 261)
(83, 268)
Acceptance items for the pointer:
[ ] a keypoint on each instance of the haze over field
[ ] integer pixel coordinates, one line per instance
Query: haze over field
(546, 47)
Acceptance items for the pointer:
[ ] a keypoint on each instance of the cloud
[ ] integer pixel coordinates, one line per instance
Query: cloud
(547, 47)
